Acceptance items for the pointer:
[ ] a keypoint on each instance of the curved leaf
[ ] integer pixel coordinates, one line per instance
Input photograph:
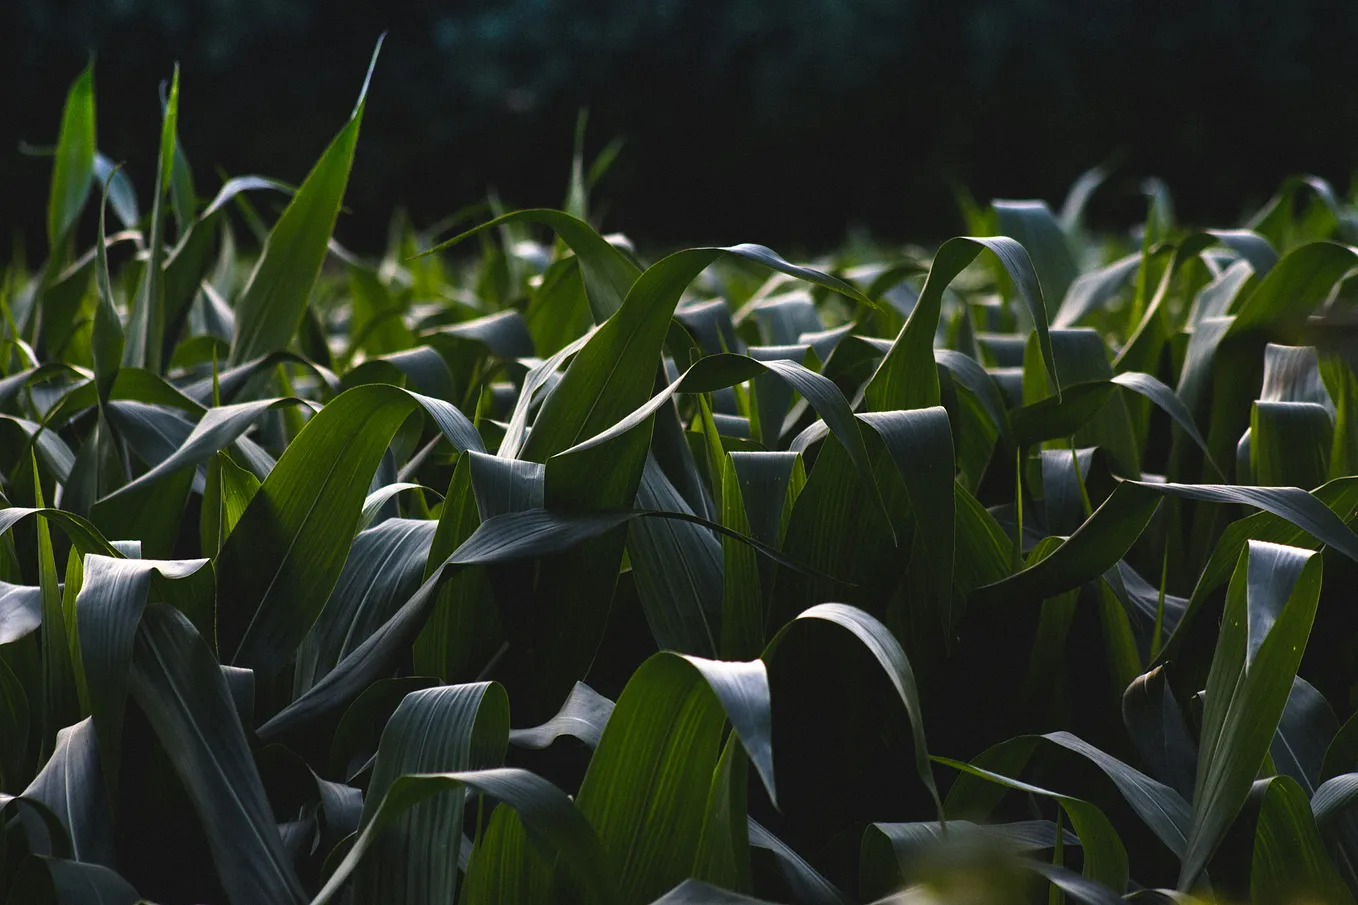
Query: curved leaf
(414, 858)
(646, 788)
(72, 786)
(906, 377)
(108, 611)
(1290, 862)
(887, 651)
(1105, 858)
(542, 807)
(584, 715)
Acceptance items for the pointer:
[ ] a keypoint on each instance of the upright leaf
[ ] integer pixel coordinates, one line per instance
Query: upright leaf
(146, 321)
(272, 304)
(1270, 606)
(74, 166)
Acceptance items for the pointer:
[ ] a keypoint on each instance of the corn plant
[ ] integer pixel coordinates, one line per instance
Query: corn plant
(293, 538)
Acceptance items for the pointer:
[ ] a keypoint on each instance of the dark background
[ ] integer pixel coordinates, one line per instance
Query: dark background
(788, 122)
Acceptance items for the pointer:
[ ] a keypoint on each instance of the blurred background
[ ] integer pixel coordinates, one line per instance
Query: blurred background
(788, 122)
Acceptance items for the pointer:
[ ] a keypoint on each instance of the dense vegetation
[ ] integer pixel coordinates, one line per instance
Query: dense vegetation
(1017, 569)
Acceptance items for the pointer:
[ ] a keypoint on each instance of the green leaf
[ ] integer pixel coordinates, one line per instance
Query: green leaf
(559, 310)
(232, 381)
(279, 565)
(608, 274)
(754, 494)
(646, 790)
(907, 378)
(606, 469)
(353, 746)
(920, 442)
(65, 882)
(1093, 549)
(544, 809)
(1105, 858)
(1158, 730)
(81, 533)
(146, 320)
(1334, 795)
(1289, 444)
(1305, 731)
(1270, 606)
(724, 846)
(1304, 510)
(887, 652)
(1084, 890)
(506, 867)
(678, 570)
(807, 885)
(463, 631)
(414, 858)
(217, 429)
(226, 494)
(108, 611)
(58, 680)
(610, 375)
(47, 824)
(582, 716)
(15, 711)
(1276, 526)
(71, 784)
(1299, 282)
(375, 502)
(1092, 290)
(106, 343)
(1169, 403)
(502, 539)
(1159, 807)
(969, 373)
(1032, 225)
(1103, 539)
(271, 305)
(892, 854)
(180, 687)
(384, 567)
(74, 164)
(122, 195)
(1290, 863)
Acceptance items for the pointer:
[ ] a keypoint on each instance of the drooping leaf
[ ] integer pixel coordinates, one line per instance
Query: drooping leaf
(887, 652)
(906, 377)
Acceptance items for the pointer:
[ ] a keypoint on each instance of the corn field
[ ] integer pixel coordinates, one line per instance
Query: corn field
(520, 567)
